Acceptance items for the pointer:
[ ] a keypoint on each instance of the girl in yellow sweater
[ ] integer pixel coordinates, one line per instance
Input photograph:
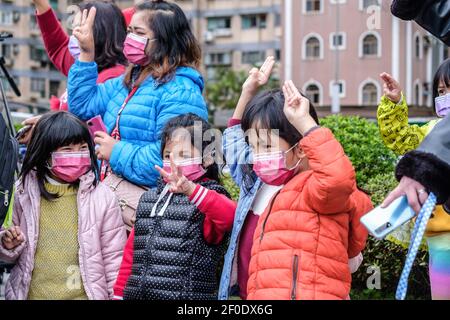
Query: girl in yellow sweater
(401, 137)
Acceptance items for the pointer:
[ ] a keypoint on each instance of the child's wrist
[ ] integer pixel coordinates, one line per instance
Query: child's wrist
(304, 125)
(191, 186)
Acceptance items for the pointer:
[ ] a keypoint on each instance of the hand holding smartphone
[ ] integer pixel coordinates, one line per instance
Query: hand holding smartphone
(96, 124)
(382, 221)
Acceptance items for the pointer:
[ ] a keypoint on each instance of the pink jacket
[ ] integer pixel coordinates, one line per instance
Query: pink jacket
(101, 237)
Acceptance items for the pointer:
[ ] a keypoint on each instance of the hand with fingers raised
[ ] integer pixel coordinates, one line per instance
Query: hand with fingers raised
(259, 77)
(296, 108)
(391, 88)
(12, 238)
(85, 35)
(256, 79)
(177, 181)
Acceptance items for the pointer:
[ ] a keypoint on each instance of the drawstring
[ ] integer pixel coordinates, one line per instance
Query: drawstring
(166, 204)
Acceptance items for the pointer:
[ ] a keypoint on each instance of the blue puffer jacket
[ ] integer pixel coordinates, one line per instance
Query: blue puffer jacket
(135, 156)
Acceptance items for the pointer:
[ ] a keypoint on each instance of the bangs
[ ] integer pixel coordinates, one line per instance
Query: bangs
(67, 131)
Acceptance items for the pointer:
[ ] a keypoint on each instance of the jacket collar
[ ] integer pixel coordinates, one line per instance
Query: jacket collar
(86, 183)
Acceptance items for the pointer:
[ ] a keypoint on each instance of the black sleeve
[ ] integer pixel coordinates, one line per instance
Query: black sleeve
(432, 15)
(407, 9)
(430, 163)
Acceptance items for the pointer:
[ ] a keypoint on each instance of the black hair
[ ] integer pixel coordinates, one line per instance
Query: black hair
(266, 110)
(175, 44)
(442, 74)
(191, 122)
(54, 130)
(110, 32)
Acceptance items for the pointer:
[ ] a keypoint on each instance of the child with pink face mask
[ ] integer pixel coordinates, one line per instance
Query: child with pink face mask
(296, 233)
(181, 229)
(68, 235)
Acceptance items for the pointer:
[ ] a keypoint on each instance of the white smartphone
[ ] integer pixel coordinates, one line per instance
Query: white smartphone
(382, 221)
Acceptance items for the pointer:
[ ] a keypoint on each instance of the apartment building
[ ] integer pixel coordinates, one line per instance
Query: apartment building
(346, 44)
(235, 33)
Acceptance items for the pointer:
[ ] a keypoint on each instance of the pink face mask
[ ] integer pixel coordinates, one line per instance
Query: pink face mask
(271, 167)
(442, 105)
(70, 166)
(134, 49)
(192, 168)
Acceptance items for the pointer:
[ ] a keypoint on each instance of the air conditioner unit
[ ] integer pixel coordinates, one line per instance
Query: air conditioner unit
(209, 37)
(9, 62)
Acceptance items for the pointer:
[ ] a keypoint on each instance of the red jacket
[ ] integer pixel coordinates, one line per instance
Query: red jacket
(219, 216)
(304, 240)
(56, 41)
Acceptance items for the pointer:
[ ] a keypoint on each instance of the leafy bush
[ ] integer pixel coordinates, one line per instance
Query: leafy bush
(363, 145)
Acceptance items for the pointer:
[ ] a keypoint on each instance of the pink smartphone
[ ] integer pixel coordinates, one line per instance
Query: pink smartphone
(96, 124)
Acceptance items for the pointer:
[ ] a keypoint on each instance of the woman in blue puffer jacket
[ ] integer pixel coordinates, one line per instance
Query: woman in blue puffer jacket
(162, 78)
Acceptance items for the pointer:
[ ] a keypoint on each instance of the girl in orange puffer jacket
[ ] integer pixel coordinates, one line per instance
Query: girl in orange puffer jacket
(310, 230)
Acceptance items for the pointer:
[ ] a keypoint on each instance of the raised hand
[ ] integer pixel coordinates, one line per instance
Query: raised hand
(85, 35)
(296, 108)
(42, 6)
(12, 238)
(177, 181)
(255, 80)
(259, 77)
(391, 87)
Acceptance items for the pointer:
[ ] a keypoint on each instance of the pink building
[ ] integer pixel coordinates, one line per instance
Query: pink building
(370, 40)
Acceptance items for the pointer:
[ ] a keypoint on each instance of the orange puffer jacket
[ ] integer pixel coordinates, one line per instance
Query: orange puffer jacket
(304, 239)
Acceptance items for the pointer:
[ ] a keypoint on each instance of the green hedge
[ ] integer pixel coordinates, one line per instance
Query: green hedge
(374, 165)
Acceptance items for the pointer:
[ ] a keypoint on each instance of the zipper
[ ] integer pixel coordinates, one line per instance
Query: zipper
(267, 217)
(294, 277)
(6, 200)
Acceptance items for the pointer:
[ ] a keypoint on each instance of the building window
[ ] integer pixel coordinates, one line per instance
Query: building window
(6, 50)
(219, 23)
(342, 88)
(369, 94)
(253, 57)
(6, 83)
(313, 93)
(277, 19)
(338, 41)
(367, 3)
(6, 18)
(418, 47)
(54, 88)
(277, 54)
(33, 23)
(312, 6)
(418, 93)
(313, 48)
(218, 59)
(254, 21)
(370, 45)
(38, 85)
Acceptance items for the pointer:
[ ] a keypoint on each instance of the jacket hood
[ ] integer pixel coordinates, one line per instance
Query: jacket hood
(191, 74)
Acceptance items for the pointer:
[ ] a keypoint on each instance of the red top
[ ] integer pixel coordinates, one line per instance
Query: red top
(219, 216)
(56, 43)
(128, 14)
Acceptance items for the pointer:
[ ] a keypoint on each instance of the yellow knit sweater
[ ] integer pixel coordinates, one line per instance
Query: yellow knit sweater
(56, 273)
